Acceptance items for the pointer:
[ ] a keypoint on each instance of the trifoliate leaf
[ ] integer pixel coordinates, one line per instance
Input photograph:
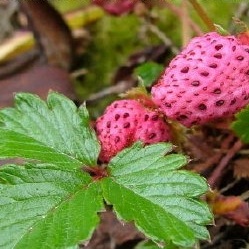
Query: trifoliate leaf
(145, 187)
(54, 131)
(149, 72)
(45, 207)
(241, 125)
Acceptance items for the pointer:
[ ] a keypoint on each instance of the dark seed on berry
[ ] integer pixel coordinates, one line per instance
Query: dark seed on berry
(205, 73)
(195, 83)
(182, 117)
(219, 102)
(202, 107)
(108, 124)
(117, 139)
(218, 56)
(240, 58)
(246, 97)
(213, 65)
(218, 46)
(127, 125)
(126, 115)
(146, 117)
(167, 105)
(117, 116)
(185, 70)
(152, 135)
(217, 91)
(154, 117)
(233, 102)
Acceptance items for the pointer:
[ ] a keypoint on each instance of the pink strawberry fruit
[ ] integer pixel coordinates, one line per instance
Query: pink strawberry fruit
(127, 121)
(208, 80)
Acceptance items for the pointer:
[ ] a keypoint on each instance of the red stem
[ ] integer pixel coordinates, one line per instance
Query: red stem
(217, 173)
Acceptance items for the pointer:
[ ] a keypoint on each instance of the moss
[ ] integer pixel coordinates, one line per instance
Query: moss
(65, 5)
(113, 40)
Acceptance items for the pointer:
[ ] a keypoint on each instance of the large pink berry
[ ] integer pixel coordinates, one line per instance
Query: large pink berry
(208, 80)
(127, 121)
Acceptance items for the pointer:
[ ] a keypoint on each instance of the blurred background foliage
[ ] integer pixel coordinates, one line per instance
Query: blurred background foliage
(110, 42)
(115, 38)
(100, 55)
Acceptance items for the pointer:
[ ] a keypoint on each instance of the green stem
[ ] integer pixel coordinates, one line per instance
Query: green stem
(186, 30)
(203, 15)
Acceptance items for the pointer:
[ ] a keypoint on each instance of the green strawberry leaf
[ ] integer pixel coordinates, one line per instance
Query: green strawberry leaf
(149, 72)
(151, 245)
(50, 202)
(45, 207)
(52, 132)
(145, 187)
(147, 245)
(241, 125)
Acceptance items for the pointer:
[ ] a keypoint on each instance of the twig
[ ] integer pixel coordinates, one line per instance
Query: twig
(229, 186)
(186, 36)
(244, 152)
(202, 167)
(241, 11)
(178, 12)
(213, 160)
(203, 15)
(168, 43)
(217, 173)
(214, 241)
(119, 88)
(244, 196)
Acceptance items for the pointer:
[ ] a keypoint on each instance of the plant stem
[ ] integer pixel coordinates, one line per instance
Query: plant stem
(217, 173)
(178, 12)
(186, 32)
(203, 15)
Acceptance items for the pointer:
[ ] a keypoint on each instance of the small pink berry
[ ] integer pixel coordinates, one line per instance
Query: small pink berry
(125, 122)
(208, 80)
